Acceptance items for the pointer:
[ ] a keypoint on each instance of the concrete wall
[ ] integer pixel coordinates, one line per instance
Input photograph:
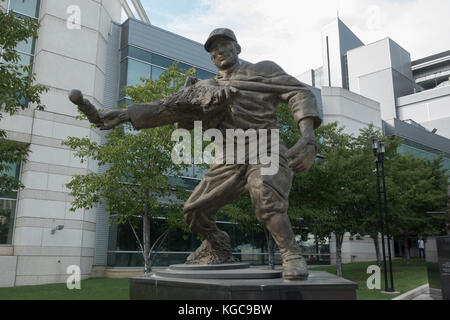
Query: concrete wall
(307, 77)
(379, 71)
(357, 250)
(350, 110)
(430, 108)
(331, 53)
(4, 5)
(64, 59)
(111, 96)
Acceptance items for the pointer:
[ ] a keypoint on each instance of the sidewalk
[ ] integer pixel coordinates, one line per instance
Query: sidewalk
(419, 293)
(424, 296)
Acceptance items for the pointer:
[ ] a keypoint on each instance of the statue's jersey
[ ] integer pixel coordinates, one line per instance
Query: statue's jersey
(262, 87)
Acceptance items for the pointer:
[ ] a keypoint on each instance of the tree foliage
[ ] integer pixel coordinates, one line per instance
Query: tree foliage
(416, 186)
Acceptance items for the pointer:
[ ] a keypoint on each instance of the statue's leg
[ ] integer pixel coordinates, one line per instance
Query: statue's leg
(270, 198)
(218, 187)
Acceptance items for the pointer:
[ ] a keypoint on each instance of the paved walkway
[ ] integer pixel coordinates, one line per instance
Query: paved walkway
(424, 296)
(419, 293)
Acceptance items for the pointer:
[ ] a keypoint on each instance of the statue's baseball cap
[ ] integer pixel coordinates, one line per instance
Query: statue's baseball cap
(219, 33)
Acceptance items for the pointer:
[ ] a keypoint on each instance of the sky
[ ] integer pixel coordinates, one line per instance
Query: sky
(289, 31)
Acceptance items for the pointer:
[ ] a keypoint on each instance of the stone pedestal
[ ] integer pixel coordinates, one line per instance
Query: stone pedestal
(437, 254)
(237, 281)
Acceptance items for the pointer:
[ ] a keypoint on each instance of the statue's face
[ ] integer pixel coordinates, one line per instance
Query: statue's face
(224, 53)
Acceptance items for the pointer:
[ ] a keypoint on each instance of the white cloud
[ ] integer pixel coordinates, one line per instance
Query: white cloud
(289, 31)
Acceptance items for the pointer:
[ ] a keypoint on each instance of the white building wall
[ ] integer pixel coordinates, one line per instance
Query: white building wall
(360, 249)
(379, 71)
(349, 109)
(64, 59)
(4, 5)
(430, 108)
(306, 77)
(331, 53)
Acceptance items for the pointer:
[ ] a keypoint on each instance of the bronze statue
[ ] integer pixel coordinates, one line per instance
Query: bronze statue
(242, 96)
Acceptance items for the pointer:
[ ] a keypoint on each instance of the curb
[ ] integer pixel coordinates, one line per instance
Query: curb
(425, 289)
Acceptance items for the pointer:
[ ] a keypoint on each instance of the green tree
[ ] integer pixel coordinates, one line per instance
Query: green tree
(414, 187)
(138, 182)
(332, 196)
(16, 88)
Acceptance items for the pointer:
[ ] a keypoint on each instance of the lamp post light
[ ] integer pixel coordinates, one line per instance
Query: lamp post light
(379, 151)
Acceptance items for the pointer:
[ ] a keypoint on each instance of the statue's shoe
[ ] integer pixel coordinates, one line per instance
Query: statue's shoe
(295, 269)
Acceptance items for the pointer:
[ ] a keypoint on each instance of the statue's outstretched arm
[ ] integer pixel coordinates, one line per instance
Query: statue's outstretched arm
(141, 115)
(103, 120)
(198, 100)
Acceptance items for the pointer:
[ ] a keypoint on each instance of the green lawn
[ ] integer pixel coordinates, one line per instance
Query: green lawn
(91, 289)
(406, 277)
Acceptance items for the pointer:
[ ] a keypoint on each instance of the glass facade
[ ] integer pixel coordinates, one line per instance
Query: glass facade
(420, 151)
(8, 208)
(138, 63)
(136, 71)
(7, 211)
(123, 249)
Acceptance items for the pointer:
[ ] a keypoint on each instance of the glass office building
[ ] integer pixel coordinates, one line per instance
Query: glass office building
(418, 141)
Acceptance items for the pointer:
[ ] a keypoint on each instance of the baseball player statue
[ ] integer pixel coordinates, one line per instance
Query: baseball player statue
(242, 96)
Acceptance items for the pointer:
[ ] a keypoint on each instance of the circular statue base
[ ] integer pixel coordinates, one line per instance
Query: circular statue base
(218, 271)
(237, 281)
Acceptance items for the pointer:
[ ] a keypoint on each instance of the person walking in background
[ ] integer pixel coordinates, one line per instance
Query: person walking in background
(421, 245)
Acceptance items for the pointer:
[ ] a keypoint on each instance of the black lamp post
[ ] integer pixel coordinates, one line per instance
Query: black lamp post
(379, 151)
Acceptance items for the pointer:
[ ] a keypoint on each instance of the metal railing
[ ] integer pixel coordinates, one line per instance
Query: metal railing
(166, 258)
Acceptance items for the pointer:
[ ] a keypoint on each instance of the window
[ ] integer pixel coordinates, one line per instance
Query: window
(123, 77)
(346, 82)
(125, 101)
(202, 74)
(7, 211)
(136, 71)
(156, 72)
(26, 46)
(184, 67)
(161, 61)
(25, 59)
(8, 208)
(140, 54)
(28, 7)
